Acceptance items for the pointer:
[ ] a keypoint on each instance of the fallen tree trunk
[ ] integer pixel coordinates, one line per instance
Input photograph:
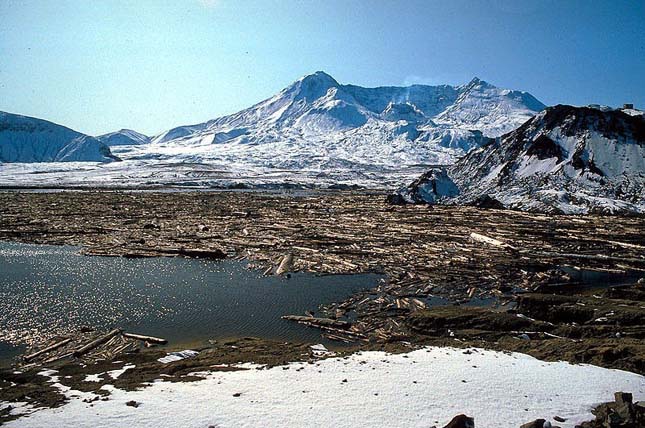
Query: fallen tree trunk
(95, 343)
(286, 265)
(47, 349)
(326, 322)
(490, 241)
(150, 339)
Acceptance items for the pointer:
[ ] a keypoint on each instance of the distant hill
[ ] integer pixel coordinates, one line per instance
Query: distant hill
(27, 139)
(123, 137)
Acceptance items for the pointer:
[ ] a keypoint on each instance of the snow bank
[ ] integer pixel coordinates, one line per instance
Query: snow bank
(372, 389)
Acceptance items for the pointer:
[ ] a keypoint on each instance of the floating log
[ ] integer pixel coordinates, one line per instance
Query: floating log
(47, 349)
(97, 342)
(150, 339)
(326, 322)
(286, 265)
(200, 253)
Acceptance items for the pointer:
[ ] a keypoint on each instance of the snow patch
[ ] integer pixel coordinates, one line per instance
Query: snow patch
(426, 387)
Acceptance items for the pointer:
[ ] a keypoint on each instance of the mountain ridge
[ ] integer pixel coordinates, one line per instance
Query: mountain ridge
(566, 159)
(29, 139)
(123, 137)
(318, 102)
(317, 132)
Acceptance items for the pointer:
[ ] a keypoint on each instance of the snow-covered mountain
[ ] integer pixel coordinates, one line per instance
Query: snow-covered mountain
(123, 137)
(326, 129)
(565, 159)
(317, 132)
(27, 139)
(317, 104)
(489, 109)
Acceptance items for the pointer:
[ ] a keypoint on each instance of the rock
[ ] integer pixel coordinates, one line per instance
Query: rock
(237, 394)
(538, 423)
(432, 186)
(623, 398)
(559, 419)
(462, 421)
(622, 413)
(487, 202)
(395, 199)
(624, 407)
(132, 403)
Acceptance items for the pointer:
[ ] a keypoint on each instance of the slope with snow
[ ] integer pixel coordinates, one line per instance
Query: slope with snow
(27, 139)
(323, 132)
(315, 132)
(317, 105)
(123, 137)
(489, 109)
(566, 159)
(422, 388)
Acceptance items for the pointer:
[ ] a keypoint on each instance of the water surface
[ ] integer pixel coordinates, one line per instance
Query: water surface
(50, 290)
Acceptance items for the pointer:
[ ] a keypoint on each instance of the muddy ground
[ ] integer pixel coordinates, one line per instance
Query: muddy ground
(509, 264)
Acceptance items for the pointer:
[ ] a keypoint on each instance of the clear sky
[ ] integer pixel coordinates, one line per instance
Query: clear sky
(149, 65)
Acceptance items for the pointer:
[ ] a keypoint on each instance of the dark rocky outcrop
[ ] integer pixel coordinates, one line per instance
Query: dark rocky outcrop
(621, 413)
(461, 421)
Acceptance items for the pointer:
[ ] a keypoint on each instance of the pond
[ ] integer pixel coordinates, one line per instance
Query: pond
(50, 290)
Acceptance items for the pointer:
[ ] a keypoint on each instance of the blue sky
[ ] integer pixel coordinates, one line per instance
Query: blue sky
(149, 65)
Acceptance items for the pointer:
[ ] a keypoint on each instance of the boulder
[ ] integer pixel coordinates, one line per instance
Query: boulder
(538, 423)
(461, 421)
(433, 186)
(487, 202)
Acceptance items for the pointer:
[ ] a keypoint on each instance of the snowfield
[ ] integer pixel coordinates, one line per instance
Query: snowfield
(421, 388)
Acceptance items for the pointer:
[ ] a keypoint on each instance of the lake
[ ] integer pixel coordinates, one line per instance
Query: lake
(51, 290)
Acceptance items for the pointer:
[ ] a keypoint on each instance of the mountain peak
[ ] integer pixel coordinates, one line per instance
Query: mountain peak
(123, 137)
(319, 76)
(477, 82)
(313, 86)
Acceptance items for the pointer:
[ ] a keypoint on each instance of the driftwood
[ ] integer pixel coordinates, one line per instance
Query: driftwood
(422, 253)
(58, 358)
(324, 322)
(286, 265)
(47, 349)
(150, 339)
(96, 342)
(488, 240)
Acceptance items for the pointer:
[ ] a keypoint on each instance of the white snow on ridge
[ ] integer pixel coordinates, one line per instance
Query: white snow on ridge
(123, 137)
(419, 389)
(27, 139)
(566, 159)
(489, 109)
(315, 132)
